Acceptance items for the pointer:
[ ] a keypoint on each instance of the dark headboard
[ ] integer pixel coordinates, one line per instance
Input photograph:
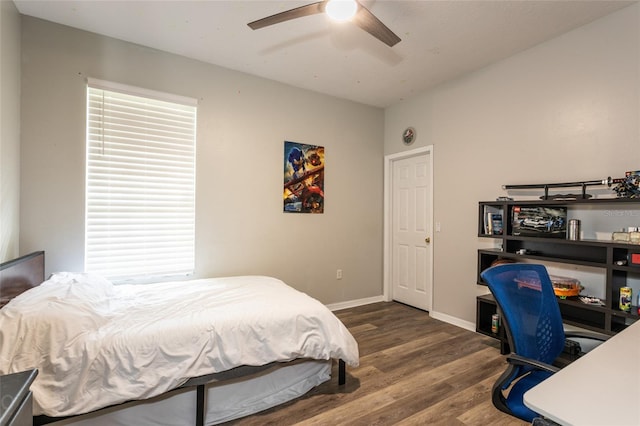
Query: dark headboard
(19, 275)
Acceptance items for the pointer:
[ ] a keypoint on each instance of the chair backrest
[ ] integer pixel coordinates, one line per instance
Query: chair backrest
(530, 311)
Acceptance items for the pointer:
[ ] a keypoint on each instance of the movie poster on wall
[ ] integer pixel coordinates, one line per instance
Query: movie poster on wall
(303, 178)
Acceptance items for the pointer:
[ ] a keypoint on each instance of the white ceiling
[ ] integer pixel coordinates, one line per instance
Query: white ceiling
(441, 39)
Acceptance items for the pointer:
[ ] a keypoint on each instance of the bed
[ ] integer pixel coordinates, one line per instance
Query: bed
(192, 352)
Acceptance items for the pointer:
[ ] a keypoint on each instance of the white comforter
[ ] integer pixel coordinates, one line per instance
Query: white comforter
(97, 344)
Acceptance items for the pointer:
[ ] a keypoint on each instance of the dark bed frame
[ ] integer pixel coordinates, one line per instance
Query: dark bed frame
(19, 275)
(23, 273)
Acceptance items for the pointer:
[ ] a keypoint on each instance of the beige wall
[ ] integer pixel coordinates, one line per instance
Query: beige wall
(242, 124)
(565, 110)
(9, 130)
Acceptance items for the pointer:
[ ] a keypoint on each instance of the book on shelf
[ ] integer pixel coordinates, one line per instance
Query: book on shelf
(496, 220)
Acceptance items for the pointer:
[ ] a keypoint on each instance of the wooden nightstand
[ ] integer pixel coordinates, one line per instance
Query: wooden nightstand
(15, 398)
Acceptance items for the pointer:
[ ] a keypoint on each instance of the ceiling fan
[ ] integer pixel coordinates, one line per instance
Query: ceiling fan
(360, 15)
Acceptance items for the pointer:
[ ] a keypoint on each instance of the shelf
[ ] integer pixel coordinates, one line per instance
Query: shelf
(574, 301)
(585, 242)
(486, 307)
(568, 202)
(490, 236)
(491, 220)
(588, 253)
(577, 314)
(487, 256)
(632, 315)
(559, 256)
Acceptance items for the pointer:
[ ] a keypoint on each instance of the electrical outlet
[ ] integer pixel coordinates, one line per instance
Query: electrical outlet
(339, 274)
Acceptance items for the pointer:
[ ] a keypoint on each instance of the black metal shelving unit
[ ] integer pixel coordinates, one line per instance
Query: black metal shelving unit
(607, 319)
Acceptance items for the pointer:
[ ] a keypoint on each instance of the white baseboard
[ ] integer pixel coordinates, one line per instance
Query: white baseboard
(354, 303)
(467, 325)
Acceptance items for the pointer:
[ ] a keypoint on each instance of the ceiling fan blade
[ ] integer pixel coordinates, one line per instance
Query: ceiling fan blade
(368, 22)
(298, 12)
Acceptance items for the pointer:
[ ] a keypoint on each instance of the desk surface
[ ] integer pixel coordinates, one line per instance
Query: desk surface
(601, 388)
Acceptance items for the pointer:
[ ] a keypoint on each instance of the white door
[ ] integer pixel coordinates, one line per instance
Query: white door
(410, 262)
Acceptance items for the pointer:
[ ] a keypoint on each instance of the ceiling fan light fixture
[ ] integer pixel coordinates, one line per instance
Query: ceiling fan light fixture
(336, 9)
(341, 10)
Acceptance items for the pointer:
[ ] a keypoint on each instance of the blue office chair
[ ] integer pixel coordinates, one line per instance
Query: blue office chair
(533, 324)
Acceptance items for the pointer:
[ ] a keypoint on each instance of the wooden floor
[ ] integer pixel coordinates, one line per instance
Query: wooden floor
(414, 370)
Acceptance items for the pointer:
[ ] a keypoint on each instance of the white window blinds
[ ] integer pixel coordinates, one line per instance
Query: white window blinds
(140, 188)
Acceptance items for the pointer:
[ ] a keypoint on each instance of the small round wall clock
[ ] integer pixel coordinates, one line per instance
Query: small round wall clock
(409, 135)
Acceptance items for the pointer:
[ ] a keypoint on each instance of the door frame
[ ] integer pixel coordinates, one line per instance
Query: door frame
(389, 161)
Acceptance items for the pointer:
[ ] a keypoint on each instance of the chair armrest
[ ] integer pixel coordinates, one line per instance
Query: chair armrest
(586, 335)
(521, 360)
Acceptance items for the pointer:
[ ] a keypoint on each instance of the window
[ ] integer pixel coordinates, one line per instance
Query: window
(140, 182)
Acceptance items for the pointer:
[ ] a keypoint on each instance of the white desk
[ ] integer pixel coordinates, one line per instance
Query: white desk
(601, 388)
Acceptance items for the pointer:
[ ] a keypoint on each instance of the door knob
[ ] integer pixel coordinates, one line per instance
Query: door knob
(427, 240)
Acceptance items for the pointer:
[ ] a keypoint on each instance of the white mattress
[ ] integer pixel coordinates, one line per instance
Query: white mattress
(96, 344)
(225, 401)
